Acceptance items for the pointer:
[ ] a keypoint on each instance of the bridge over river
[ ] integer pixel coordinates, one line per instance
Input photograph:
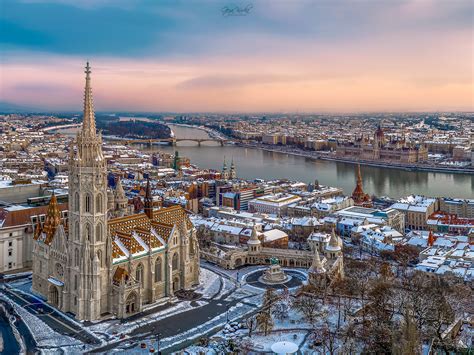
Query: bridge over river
(171, 141)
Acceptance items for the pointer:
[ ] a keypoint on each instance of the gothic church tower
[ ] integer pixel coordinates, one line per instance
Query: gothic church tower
(86, 288)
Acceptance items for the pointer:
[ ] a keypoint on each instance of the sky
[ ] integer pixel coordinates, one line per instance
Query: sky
(239, 56)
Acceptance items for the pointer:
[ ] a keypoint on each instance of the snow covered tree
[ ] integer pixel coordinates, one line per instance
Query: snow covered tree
(308, 305)
(280, 310)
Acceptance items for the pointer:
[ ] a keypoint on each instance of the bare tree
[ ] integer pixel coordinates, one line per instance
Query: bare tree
(307, 305)
(265, 322)
(328, 335)
(406, 339)
(251, 324)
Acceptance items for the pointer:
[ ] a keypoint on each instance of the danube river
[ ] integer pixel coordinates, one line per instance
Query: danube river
(256, 163)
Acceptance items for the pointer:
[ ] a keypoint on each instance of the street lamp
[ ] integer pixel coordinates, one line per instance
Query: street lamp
(158, 345)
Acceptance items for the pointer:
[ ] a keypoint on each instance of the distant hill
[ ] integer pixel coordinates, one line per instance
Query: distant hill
(134, 129)
(9, 107)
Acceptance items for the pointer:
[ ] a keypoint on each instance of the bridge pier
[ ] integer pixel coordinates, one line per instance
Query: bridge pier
(199, 143)
(222, 143)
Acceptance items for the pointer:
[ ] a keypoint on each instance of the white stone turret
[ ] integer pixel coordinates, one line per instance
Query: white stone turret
(110, 201)
(334, 247)
(121, 201)
(254, 243)
(317, 266)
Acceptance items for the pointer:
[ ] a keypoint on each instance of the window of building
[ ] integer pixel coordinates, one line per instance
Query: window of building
(98, 232)
(88, 232)
(76, 202)
(175, 262)
(98, 203)
(10, 253)
(158, 267)
(10, 243)
(76, 230)
(139, 274)
(9, 265)
(88, 203)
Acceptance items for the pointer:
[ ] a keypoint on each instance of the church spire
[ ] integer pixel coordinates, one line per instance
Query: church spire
(53, 219)
(88, 123)
(317, 265)
(358, 195)
(148, 200)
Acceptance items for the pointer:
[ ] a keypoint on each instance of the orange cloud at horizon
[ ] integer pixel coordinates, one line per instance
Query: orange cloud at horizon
(423, 74)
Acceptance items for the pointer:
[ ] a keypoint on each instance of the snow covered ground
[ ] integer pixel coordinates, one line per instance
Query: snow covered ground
(48, 340)
(210, 283)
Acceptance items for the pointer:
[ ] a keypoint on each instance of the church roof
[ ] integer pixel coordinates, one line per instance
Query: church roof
(137, 234)
(120, 274)
(46, 232)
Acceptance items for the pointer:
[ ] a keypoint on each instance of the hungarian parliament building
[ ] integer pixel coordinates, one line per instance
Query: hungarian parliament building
(379, 148)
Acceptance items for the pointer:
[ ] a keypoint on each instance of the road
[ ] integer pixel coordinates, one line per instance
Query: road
(50, 316)
(215, 313)
(182, 322)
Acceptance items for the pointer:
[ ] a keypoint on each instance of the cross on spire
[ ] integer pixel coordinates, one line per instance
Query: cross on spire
(88, 123)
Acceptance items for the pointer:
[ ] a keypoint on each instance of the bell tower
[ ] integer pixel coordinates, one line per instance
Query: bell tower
(86, 288)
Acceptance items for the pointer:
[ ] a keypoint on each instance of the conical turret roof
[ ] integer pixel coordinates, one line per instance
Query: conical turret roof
(317, 265)
(254, 236)
(334, 244)
(52, 221)
(119, 192)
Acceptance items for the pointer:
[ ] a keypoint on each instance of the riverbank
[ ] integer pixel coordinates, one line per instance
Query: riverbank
(211, 132)
(322, 156)
(379, 164)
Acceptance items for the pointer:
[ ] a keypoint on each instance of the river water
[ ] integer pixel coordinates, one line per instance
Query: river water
(256, 163)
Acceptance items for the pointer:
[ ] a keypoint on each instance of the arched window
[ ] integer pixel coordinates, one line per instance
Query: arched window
(75, 282)
(99, 256)
(88, 203)
(77, 231)
(98, 232)
(158, 266)
(76, 257)
(191, 247)
(139, 274)
(98, 203)
(174, 264)
(88, 232)
(76, 202)
(131, 303)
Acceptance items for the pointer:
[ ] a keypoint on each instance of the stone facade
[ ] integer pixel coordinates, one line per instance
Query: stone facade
(329, 255)
(92, 265)
(380, 149)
